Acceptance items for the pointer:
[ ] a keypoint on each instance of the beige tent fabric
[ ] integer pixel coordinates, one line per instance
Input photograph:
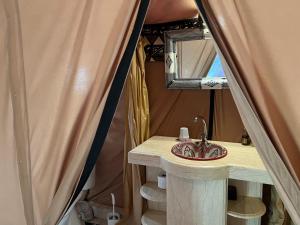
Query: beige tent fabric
(109, 165)
(113, 173)
(172, 109)
(264, 82)
(263, 57)
(285, 185)
(195, 58)
(16, 206)
(137, 127)
(58, 59)
(228, 124)
(166, 11)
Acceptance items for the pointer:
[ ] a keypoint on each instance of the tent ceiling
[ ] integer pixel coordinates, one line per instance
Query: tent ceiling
(161, 11)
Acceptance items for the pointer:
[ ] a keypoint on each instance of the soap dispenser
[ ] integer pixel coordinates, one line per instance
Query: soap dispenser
(245, 138)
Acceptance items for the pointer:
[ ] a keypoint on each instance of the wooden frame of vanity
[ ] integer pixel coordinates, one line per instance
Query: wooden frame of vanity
(197, 190)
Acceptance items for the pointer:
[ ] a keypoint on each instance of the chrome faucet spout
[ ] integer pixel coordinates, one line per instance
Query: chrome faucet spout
(203, 135)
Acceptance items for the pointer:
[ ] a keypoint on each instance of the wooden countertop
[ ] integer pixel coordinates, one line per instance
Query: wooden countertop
(241, 163)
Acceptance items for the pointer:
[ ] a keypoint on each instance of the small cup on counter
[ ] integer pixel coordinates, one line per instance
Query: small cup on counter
(184, 134)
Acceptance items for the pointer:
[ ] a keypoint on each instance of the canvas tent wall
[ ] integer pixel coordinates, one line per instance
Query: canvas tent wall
(58, 64)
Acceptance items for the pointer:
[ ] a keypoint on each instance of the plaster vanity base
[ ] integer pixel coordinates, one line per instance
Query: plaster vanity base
(196, 202)
(196, 191)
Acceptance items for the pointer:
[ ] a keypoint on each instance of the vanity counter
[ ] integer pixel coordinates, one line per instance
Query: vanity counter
(241, 163)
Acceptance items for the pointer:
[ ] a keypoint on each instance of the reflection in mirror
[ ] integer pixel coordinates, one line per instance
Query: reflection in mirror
(194, 58)
(191, 61)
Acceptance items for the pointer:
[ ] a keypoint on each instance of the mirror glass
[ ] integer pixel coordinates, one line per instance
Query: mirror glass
(191, 61)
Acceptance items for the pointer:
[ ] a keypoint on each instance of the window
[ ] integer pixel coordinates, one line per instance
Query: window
(216, 69)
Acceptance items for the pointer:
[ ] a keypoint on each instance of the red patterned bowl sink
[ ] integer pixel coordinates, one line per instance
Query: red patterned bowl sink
(199, 151)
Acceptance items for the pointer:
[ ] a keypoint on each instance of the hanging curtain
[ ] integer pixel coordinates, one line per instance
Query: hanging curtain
(259, 44)
(58, 60)
(109, 165)
(15, 171)
(136, 132)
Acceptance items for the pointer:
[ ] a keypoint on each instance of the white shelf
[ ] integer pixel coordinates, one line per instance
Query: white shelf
(152, 192)
(153, 217)
(246, 207)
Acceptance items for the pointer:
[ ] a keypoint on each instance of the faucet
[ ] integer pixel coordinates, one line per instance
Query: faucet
(203, 135)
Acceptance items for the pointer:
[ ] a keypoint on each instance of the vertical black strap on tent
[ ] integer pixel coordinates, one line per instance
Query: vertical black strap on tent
(113, 98)
(203, 14)
(211, 114)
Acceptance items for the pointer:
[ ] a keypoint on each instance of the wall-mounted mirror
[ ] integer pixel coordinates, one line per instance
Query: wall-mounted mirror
(191, 61)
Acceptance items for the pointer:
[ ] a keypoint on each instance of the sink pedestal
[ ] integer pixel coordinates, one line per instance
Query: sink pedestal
(196, 202)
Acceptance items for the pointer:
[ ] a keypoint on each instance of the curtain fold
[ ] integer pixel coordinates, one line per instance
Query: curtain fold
(137, 126)
(58, 60)
(282, 179)
(15, 171)
(109, 166)
(263, 80)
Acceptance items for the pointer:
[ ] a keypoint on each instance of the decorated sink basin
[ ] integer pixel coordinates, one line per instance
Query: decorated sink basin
(201, 150)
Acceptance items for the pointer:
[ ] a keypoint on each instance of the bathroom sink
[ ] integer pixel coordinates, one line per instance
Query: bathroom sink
(201, 150)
